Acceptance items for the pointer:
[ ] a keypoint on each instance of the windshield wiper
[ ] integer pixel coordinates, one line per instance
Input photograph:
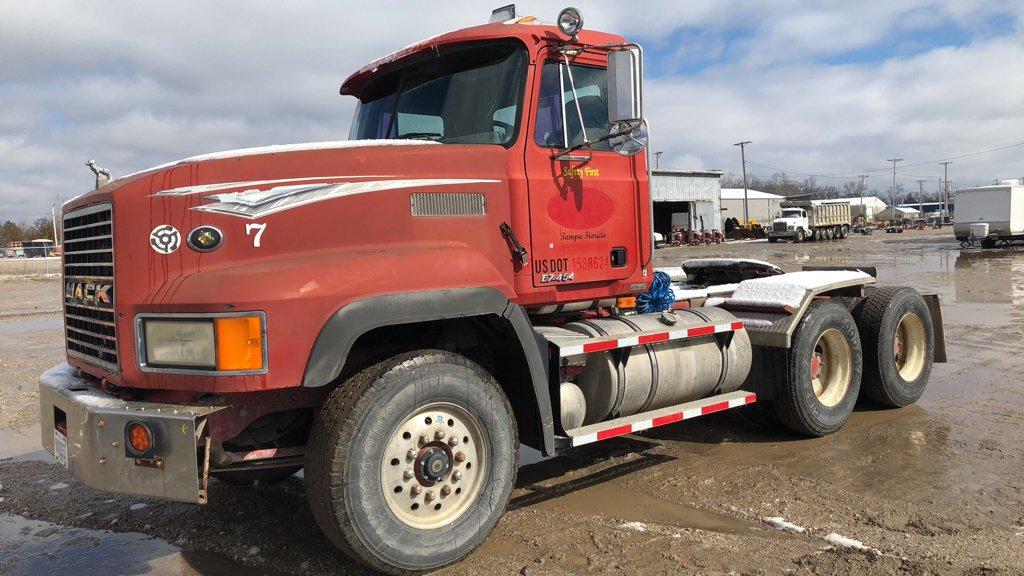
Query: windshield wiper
(604, 138)
(420, 136)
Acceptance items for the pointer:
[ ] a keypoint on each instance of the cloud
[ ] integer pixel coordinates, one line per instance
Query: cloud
(819, 87)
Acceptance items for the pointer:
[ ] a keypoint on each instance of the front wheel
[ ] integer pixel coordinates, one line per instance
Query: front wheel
(799, 236)
(411, 462)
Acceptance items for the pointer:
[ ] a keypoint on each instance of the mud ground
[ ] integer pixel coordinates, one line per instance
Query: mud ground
(935, 488)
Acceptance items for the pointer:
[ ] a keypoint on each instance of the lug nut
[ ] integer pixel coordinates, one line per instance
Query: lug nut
(453, 441)
(103, 460)
(456, 476)
(408, 475)
(429, 495)
(115, 443)
(424, 439)
(446, 490)
(439, 435)
(415, 490)
(411, 454)
(460, 456)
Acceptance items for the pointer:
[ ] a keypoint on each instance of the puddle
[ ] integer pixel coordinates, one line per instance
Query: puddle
(20, 445)
(31, 547)
(38, 324)
(616, 500)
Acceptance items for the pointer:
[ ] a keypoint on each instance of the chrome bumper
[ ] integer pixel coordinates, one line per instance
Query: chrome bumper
(95, 421)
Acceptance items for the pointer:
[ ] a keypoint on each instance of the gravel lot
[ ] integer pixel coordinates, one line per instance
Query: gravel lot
(934, 488)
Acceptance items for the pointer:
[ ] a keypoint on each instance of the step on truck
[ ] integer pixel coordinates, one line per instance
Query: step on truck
(397, 312)
(811, 220)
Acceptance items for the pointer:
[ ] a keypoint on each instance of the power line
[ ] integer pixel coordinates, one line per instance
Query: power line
(847, 175)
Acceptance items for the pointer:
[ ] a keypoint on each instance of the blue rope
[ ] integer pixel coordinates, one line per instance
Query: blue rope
(659, 298)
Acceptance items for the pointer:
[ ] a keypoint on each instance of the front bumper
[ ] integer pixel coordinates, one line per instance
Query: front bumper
(94, 422)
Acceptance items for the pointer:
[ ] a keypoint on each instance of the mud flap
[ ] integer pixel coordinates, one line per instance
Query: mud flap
(932, 300)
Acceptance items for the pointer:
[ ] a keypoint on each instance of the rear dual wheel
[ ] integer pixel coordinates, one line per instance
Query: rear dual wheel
(411, 462)
(818, 388)
(899, 344)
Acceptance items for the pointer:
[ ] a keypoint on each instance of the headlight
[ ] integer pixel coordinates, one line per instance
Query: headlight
(217, 343)
(570, 22)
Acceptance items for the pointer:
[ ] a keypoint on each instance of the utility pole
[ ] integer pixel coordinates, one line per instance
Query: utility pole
(657, 158)
(863, 209)
(53, 216)
(892, 196)
(743, 158)
(920, 196)
(945, 189)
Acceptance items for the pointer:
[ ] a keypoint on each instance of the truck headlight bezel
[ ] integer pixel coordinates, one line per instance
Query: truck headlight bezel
(238, 346)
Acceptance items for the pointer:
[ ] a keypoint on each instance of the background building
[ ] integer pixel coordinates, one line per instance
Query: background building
(897, 214)
(761, 206)
(869, 209)
(686, 199)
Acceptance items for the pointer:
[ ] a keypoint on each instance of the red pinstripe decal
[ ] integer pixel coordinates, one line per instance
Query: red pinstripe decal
(613, 432)
(714, 408)
(662, 420)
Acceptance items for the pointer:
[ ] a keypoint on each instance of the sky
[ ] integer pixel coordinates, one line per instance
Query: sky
(830, 89)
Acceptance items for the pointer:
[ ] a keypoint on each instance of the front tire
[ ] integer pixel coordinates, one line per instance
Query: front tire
(799, 236)
(818, 389)
(411, 462)
(899, 345)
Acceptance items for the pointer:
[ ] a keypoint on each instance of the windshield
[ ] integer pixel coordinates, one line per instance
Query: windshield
(468, 94)
(792, 213)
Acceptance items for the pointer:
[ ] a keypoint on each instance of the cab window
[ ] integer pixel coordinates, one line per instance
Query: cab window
(556, 96)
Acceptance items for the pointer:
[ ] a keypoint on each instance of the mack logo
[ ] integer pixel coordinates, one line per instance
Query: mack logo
(101, 295)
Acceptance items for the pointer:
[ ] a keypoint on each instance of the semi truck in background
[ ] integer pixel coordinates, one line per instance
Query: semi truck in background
(990, 215)
(396, 313)
(810, 220)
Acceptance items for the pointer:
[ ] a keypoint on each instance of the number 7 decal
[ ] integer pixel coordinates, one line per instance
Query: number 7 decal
(259, 228)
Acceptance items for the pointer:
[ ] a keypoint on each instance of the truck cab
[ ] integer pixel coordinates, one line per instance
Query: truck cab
(790, 223)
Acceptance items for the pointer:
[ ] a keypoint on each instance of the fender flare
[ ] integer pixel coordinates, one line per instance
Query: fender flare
(344, 327)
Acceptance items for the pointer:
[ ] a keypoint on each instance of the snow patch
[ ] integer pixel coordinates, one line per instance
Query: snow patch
(789, 289)
(635, 526)
(844, 542)
(781, 523)
(138, 506)
(675, 273)
(59, 486)
(720, 262)
(254, 550)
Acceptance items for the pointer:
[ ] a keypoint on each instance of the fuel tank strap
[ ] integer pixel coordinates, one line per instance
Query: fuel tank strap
(724, 373)
(653, 356)
(620, 366)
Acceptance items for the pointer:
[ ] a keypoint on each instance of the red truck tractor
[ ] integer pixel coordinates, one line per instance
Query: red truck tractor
(397, 312)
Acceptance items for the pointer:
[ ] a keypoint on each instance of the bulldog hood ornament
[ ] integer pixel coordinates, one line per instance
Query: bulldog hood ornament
(102, 174)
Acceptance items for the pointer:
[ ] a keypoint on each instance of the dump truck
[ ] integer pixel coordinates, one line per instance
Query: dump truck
(398, 312)
(809, 220)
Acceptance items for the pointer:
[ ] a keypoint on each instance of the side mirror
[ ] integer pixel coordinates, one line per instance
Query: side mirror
(625, 84)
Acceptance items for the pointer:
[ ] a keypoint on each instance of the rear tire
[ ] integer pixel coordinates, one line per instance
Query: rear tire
(411, 462)
(819, 388)
(899, 344)
(844, 231)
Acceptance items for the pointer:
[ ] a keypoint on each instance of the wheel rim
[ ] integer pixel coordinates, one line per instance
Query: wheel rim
(433, 466)
(831, 366)
(909, 347)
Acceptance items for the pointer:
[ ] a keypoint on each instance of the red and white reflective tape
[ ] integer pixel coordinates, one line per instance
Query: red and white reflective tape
(711, 407)
(603, 344)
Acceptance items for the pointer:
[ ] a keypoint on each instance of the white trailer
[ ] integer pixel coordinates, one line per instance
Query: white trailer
(992, 215)
(801, 221)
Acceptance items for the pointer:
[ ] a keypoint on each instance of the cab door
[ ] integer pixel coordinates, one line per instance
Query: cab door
(584, 206)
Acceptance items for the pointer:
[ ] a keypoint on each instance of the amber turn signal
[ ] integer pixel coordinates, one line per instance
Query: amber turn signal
(239, 343)
(625, 302)
(139, 439)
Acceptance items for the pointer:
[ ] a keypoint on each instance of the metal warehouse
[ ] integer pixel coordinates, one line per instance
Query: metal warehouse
(686, 199)
(762, 206)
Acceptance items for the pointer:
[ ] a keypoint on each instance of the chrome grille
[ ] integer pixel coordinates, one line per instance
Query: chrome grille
(89, 285)
(779, 227)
